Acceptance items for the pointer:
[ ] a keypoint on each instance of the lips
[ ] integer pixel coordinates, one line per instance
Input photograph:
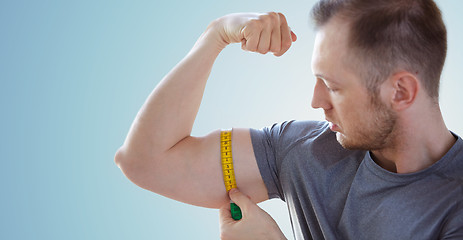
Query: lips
(333, 127)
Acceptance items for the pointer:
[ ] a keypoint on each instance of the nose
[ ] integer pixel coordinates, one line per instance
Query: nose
(321, 98)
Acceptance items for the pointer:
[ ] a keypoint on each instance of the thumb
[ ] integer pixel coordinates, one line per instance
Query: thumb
(293, 36)
(242, 200)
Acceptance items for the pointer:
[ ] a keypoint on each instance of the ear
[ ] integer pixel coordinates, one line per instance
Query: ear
(405, 90)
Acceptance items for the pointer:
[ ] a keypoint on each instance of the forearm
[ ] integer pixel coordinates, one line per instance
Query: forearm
(169, 112)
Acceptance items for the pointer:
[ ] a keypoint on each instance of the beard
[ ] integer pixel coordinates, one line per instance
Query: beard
(376, 131)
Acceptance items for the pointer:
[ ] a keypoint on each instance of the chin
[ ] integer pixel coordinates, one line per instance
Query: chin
(341, 138)
(351, 144)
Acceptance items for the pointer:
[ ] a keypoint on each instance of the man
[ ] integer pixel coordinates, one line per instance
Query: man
(383, 166)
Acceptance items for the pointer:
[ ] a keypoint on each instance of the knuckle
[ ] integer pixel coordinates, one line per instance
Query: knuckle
(282, 51)
(273, 16)
(275, 49)
(286, 44)
(251, 48)
(262, 51)
(265, 18)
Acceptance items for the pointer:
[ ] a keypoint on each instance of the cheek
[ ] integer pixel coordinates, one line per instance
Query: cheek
(342, 106)
(350, 114)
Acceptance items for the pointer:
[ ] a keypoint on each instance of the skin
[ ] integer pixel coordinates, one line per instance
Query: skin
(160, 155)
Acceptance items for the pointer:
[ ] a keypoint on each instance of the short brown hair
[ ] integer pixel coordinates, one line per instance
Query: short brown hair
(388, 35)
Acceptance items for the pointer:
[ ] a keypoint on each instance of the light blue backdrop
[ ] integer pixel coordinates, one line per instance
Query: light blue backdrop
(75, 73)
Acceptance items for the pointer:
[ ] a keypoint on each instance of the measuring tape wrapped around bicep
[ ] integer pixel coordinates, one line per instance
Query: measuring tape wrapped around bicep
(227, 169)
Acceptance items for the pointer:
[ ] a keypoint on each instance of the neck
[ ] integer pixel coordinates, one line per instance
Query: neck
(416, 144)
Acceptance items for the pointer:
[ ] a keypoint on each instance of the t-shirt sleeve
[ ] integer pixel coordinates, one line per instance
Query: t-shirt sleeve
(265, 144)
(270, 146)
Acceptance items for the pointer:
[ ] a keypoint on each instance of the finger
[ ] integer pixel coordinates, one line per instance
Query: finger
(275, 42)
(264, 41)
(243, 44)
(226, 222)
(293, 36)
(225, 214)
(270, 21)
(251, 35)
(243, 201)
(286, 39)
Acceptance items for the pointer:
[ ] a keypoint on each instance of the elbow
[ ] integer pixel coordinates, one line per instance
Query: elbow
(125, 158)
(136, 169)
(118, 158)
(124, 162)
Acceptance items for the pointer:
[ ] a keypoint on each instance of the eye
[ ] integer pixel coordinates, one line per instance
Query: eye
(331, 89)
(328, 85)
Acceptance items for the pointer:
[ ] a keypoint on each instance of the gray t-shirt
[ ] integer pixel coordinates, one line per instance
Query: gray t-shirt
(334, 193)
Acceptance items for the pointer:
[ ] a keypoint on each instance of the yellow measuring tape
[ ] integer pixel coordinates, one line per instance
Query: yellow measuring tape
(227, 169)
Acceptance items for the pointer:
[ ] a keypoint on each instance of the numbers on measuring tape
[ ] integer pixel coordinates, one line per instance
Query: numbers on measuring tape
(227, 160)
(227, 169)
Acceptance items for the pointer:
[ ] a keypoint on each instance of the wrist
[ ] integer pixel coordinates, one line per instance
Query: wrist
(212, 37)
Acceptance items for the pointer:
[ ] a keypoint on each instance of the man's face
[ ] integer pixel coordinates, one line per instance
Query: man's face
(359, 120)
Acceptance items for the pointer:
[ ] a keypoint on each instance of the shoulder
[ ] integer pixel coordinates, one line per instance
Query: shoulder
(296, 129)
(453, 169)
(314, 136)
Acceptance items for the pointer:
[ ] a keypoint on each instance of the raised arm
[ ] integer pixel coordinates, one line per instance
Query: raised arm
(160, 155)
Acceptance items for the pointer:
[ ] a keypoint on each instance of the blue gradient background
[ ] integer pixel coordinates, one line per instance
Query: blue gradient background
(75, 73)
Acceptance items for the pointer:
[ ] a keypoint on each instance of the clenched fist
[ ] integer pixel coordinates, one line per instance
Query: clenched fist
(262, 33)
